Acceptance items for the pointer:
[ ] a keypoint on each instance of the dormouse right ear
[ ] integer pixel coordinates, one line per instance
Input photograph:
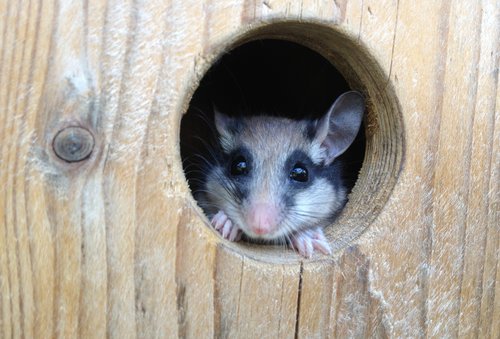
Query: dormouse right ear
(226, 127)
(338, 128)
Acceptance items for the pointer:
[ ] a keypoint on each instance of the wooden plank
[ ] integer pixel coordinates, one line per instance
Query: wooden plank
(399, 238)
(489, 323)
(228, 278)
(451, 187)
(10, 284)
(379, 23)
(268, 300)
(156, 239)
(255, 298)
(358, 312)
(477, 227)
(195, 285)
(317, 296)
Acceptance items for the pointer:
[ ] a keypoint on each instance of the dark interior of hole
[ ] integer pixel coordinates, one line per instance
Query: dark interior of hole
(262, 77)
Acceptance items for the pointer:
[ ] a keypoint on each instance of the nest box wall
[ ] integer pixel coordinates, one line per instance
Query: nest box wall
(99, 232)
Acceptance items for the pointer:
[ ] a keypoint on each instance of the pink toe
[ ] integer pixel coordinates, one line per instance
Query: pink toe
(303, 245)
(219, 220)
(322, 246)
(302, 249)
(226, 230)
(233, 234)
(309, 248)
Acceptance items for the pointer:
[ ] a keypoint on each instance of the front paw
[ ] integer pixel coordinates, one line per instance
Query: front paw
(305, 242)
(226, 227)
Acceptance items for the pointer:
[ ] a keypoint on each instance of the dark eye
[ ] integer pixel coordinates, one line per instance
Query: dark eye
(239, 166)
(299, 173)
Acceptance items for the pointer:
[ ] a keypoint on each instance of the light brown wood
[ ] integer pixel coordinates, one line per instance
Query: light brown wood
(115, 244)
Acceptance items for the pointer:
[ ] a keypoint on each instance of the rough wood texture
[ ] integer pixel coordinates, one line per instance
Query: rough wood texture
(114, 245)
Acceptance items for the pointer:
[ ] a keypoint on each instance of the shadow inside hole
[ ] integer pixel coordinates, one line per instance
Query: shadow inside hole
(262, 77)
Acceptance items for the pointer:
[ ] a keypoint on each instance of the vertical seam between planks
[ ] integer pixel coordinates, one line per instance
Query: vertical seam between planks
(337, 291)
(393, 44)
(176, 280)
(216, 316)
(299, 296)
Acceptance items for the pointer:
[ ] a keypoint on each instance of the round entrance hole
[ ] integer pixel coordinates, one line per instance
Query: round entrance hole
(297, 71)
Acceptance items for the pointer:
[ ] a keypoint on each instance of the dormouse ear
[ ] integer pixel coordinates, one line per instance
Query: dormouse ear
(226, 127)
(222, 121)
(338, 128)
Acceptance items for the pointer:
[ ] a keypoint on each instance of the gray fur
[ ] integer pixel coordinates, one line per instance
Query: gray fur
(271, 141)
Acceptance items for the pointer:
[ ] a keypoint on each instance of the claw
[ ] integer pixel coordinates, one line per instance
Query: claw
(322, 246)
(320, 243)
(226, 227)
(305, 242)
(219, 220)
(234, 234)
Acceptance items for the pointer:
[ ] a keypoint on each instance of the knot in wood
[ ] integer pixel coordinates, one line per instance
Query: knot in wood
(73, 144)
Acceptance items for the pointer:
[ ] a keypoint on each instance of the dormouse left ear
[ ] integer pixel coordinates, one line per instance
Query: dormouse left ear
(338, 128)
(227, 127)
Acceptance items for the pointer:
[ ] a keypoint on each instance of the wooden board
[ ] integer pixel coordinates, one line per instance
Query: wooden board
(115, 244)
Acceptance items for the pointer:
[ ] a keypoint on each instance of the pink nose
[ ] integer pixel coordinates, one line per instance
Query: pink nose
(263, 218)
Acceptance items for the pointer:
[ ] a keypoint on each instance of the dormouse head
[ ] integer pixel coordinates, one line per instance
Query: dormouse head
(278, 175)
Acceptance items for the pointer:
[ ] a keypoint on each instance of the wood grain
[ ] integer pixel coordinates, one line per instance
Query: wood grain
(115, 245)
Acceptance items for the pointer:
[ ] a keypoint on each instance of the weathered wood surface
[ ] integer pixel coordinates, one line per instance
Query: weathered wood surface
(115, 246)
